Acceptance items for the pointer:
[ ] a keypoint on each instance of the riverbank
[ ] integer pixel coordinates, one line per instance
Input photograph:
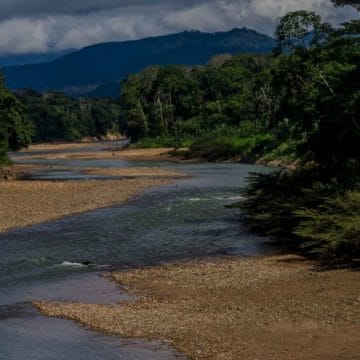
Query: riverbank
(25, 202)
(15, 172)
(153, 154)
(160, 154)
(282, 307)
(71, 145)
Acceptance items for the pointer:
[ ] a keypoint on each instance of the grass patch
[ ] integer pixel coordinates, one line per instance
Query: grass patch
(332, 231)
(4, 160)
(162, 141)
(285, 151)
(213, 148)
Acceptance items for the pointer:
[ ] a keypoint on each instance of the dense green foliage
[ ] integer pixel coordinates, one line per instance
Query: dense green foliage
(220, 99)
(15, 128)
(317, 207)
(298, 105)
(307, 210)
(57, 117)
(333, 229)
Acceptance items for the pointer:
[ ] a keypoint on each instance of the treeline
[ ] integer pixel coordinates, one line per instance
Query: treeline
(15, 128)
(56, 117)
(176, 105)
(301, 103)
(29, 116)
(298, 105)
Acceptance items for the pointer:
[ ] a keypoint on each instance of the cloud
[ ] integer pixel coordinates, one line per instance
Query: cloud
(20, 8)
(44, 25)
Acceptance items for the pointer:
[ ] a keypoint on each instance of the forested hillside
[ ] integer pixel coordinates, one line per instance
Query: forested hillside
(302, 103)
(95, 69)
(28, 116)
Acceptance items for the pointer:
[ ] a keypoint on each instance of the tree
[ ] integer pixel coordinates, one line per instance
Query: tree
(15, 128)
(354, 3)
(316, 206)
(57, 117)
(300, 28)
(317, 82)
(134, 121)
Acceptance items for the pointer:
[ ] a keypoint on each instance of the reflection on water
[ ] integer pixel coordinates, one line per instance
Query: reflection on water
(39, 338)
(83, 287)
(60, 259)
(61, 174)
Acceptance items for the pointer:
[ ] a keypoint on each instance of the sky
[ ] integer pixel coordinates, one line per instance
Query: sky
(38, 26)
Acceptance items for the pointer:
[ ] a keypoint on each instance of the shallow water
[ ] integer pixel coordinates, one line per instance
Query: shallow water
(60, 260)
(40, 338)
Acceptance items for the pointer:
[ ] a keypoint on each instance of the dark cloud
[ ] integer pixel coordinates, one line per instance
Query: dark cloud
(21, 8)
(41, 25)
(34, 8)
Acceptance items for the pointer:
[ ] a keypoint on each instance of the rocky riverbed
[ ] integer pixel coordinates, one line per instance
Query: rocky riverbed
(277, 307)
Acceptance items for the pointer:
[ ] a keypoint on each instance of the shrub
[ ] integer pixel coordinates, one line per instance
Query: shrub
(162, 141)
(307, 209)
(214, 148)
(332, 231)
(285, 151)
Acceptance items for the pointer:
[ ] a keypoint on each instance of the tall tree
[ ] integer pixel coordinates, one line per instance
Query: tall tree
(300, 28)
(354, 3)
(15, 128)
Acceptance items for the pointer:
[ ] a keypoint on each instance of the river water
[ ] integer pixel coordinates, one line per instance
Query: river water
(62, 260)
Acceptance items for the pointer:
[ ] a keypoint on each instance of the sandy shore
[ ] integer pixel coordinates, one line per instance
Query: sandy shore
(160, 154)
(134, 172)
(261, 308)
(26, 203)
(57, 147)
(68, 145)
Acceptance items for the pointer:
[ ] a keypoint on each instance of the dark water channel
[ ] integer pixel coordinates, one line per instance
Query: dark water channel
(62, 260)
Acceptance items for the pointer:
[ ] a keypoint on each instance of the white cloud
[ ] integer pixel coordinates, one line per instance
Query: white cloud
(56, 25)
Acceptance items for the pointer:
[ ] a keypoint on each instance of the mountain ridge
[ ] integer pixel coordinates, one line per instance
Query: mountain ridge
(7, 60)
(83, 71)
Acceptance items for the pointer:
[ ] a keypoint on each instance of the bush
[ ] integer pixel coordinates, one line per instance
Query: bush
(332, 231)
(285, 151)
(162, 141)
(307, 209)
(271, 200)
(214, 148)
(4, 160)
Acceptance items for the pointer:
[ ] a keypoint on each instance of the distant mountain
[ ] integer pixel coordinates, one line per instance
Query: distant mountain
(98, 69)
(22, 59)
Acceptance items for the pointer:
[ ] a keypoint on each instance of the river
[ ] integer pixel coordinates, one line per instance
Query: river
(63, 260)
